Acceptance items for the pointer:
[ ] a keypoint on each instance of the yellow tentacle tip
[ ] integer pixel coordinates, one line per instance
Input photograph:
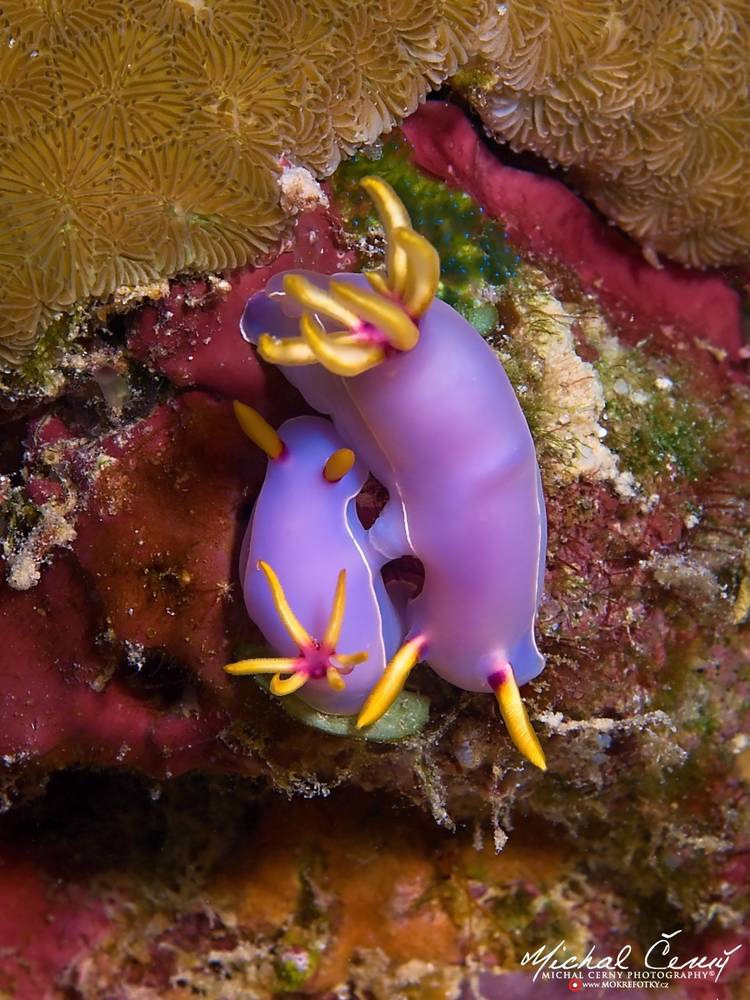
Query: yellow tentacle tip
(297, 632)
(262, 665)
(384, 314)
(422, 273)
(258, 430)
(516, 718)
(335, 680)
(336, 620)
(371, 711)
(351, 659)
(318, 300)
(412, 263)
(378, 282)
(390, 208)
(393, 215)
(339, 356)
(339, 464)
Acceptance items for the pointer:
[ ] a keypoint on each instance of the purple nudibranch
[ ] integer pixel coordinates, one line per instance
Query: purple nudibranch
(428, 410)
(305, 527)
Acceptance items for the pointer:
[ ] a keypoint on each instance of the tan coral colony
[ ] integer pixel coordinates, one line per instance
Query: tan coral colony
(144, 138)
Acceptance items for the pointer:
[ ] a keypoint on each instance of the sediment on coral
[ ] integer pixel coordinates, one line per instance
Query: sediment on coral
(647, 105)
(146, 138)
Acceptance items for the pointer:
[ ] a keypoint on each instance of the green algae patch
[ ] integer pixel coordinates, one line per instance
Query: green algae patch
(18, 516)
(475, 256)
(655, 421)
(294, 965)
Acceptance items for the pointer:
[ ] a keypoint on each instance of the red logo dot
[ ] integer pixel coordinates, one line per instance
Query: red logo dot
(574, 985)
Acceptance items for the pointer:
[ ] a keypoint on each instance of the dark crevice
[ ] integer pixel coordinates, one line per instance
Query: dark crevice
(152, 676)
(371, 500)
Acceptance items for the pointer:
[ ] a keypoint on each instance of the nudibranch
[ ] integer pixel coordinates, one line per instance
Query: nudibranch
(426, 405)
(310, 577)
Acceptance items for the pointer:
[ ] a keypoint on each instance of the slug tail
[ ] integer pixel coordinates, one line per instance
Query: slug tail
(513, 711)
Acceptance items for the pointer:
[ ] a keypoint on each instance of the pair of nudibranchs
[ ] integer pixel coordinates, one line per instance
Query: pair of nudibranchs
(415, 397)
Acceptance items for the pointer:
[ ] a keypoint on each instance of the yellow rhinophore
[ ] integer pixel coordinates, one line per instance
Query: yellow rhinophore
(338, 464)
(258, 430)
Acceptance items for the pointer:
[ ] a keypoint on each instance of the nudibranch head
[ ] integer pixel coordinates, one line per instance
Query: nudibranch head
(368, 325)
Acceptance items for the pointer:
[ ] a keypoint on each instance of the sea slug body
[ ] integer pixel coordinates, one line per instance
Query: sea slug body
(428, 409)
(307, 539)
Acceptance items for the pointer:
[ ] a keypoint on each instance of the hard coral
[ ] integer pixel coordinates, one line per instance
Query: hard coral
(646, 102)
(144, 138)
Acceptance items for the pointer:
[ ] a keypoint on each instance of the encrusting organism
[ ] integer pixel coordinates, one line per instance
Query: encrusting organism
(426, 407)
(146, 138)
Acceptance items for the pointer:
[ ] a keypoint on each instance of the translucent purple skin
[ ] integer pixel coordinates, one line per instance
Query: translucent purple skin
(440, 426)
(307, 530)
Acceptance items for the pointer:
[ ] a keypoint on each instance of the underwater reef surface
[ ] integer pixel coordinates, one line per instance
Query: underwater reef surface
(645, 104)
(544, 218)
(126, 487)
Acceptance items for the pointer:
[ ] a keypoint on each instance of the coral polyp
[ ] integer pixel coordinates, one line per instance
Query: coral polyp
(144, 138)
